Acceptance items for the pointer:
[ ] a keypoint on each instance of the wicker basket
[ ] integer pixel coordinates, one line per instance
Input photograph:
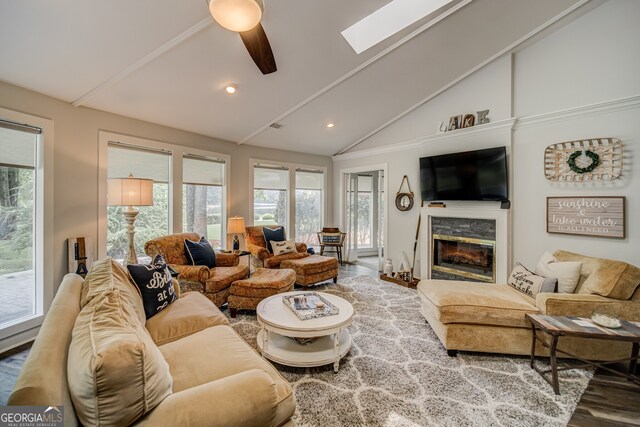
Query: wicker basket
(556, 157)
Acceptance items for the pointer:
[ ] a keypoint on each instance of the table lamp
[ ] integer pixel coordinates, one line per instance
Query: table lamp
(236, 226)
(130, 192)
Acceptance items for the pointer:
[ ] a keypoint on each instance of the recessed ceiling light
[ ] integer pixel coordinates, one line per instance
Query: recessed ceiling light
(231, 88)
(330, 125)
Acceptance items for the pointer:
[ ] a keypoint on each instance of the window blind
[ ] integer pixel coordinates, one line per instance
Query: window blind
(202, 171)
(270, 178)
(17, 146)
(142, 163)
(309, 180)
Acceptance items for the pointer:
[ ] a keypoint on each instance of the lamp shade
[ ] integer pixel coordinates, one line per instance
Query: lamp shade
(236, 225)
(129, 191)
(236, 15)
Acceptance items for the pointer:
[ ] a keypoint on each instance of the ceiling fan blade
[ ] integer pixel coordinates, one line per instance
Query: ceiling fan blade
(257, 43)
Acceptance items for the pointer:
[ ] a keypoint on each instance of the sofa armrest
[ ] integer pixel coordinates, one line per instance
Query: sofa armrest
(258, 251)
(245, 399)
(301, 247)
(192, 273)
(582, 305)
(227, 259)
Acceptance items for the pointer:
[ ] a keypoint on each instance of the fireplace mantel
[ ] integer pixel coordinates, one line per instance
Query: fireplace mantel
(470, 210)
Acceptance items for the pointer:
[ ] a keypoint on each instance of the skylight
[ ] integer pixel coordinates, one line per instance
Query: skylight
(388, 20)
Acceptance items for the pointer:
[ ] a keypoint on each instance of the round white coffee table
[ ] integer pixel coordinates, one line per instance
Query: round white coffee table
(279, 325)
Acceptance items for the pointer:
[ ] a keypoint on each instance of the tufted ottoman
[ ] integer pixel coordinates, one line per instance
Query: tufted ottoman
(313, 269)
(246, 294)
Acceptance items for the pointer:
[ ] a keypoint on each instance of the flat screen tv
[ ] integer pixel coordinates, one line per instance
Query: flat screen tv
(471, 175)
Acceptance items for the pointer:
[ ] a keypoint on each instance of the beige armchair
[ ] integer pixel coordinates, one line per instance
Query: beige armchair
(261, 257)
(214, 282)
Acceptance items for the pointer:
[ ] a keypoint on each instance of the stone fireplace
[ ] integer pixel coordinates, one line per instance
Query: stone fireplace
(466, 243)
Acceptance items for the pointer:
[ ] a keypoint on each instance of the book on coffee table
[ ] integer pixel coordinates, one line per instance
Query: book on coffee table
(310, 305)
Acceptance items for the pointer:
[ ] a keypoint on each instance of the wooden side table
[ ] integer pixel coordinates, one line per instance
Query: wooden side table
(560, 326)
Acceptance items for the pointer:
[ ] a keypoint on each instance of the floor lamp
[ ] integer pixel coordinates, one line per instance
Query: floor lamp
(130, 192)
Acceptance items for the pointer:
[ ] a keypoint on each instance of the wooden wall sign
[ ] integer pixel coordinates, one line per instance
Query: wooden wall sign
(587, 216)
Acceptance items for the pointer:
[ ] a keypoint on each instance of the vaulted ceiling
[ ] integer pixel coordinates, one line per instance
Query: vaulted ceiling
(166, 61)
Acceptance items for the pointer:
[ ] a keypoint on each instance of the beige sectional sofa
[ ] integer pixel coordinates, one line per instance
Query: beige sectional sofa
(195, 370)
(483, 317)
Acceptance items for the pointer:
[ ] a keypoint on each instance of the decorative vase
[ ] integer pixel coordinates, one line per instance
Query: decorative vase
(388, 267)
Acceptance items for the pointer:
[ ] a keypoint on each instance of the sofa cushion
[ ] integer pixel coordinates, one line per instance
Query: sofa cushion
(108, 275)
(191, 313)
(567, 272)
(232, 355)
(155, 284)
(523, 280)
(222, 277)
(477, 303)
(604, 277)
(116, 372)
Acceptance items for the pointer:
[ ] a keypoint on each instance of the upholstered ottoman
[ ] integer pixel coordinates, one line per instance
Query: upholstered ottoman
(313, 269)
(246, 294)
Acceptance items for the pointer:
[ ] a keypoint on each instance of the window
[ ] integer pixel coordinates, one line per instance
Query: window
(365, 211)
(152, 221)
(18, 290)
(203, 198)
(309, 205)
(270, 195)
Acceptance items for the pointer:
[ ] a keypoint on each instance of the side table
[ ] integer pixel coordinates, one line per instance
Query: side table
(569, 326)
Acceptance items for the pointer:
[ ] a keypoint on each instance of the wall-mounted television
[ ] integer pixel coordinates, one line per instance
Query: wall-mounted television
(471, 175)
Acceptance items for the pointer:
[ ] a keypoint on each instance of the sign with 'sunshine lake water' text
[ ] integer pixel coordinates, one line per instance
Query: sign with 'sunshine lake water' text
(587, 216)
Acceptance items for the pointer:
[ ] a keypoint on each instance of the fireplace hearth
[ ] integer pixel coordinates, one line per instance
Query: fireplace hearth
(466, 257)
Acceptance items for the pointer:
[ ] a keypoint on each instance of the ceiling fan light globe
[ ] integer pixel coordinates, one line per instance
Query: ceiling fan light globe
(236, 15)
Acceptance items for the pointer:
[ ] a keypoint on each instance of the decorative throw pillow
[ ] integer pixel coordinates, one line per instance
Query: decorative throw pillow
(568, 273)
(331, 238)
(284, 247)
(528, 283)
(200, 253)
(155, 284)
(273, 234)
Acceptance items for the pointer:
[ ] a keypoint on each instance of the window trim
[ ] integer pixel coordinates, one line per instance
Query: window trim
(175, 179)
(292, 167)
(24, 331)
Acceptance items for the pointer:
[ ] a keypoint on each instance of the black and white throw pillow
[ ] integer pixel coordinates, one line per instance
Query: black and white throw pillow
(284, 247)
(200, 253)
(273, 234)
(529, 283)
(155, 283)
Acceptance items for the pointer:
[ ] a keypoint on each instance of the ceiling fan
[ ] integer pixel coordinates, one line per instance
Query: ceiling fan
(243, 17)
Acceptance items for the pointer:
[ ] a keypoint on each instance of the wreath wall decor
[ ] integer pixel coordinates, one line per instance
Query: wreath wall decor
(565, 161)
(595, 161)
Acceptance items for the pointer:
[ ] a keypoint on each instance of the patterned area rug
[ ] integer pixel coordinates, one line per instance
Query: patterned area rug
(398, 374)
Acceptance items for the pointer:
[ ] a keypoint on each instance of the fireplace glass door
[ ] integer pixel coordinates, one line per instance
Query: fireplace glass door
(465, 257)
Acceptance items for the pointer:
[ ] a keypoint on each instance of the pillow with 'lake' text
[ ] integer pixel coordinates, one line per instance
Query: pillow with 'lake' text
(529, 283)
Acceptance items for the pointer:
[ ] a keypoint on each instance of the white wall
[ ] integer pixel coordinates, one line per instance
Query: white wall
(591, 60)
(76, 162)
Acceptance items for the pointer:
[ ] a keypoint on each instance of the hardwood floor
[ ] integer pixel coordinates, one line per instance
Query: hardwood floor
(609, 401)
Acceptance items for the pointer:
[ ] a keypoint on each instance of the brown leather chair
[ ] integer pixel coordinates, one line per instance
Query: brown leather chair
(336, 242)
(260, 256)
(214, 283)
